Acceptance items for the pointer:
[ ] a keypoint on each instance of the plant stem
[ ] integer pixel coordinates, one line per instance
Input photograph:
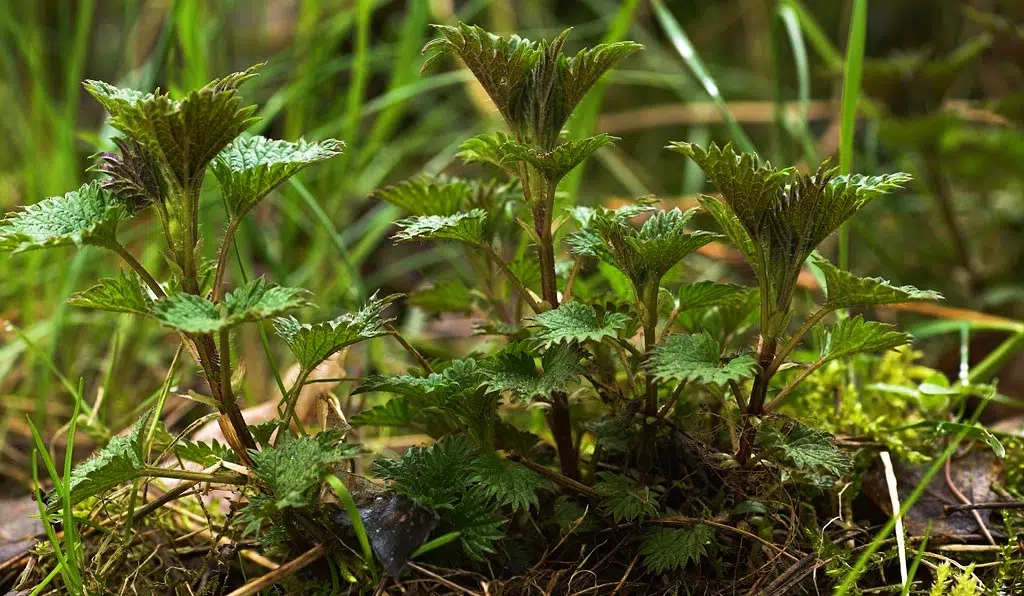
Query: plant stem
(523, 290)
(784, 352)
(137, 266)
(290, 401)
(222, 258)
(154, 472)
(792, 385)
(647, 445)
(409, 348)
(758, 393)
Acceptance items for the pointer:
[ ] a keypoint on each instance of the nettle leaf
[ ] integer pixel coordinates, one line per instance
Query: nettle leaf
(312, 344)
(89, 215)
(119, 462)
(534, 86)
(478, 523)
(843, 289)
(646, 254)
(256, 300)
(698, 358)
(672, 549)
(428, 195)
(123, 293)
(575, 322)
(249, 168)
(514, 370)
(625, 499)
(778, 217)
(292, 468)
(493, 148)
(854, 335)
(807, 454)
(184, 136)
(132, 174)
(465, 227)
(507, 482)
(205, 454)
(705, 294)
(558, 162)
(432, 477)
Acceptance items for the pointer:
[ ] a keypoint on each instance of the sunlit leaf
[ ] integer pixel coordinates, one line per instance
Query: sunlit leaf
(123, 293)
(575, 322)
(89, 215)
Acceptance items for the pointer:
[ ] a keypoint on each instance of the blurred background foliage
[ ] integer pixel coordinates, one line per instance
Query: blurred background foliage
(942, 101)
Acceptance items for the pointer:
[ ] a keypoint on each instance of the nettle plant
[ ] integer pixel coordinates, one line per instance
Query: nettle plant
(587, 318)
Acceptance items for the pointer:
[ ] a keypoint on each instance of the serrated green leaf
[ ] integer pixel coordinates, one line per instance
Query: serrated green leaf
(183, 136)
(465, 227)
(672, 549)
(644, 255)
(557, 162)
(854, 335)
(778, 217)
(119, 462)
(451, 295)
(432, 477)
(492, 148)
(204, 454)
(697, 358)
(808, 454)
(89, 215)
(478, 523)
(844, 290)
(534, 86)
(428, 195)
(575, 322)
(624, 499)
(507, 482)
(292, 469)
(250, 167)
(514, 370)
(705, 294)
(254, 301)
(123, 293)
(312, 344)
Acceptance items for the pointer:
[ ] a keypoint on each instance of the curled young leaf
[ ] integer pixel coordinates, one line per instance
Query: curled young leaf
(89, 215)
(132, 174)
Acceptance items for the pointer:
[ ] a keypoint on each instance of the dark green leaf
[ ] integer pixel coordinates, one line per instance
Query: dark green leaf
(394, 413)
(89, 215)
(844, 290)
(508, 482)
(672, 549)
(292, 468)
(433, 477)
(558, 162)
(312, 344)
(698, 358)
(183, 136)
(479, 525)
(854, 335)
(624, 499)
(807, 454)
(515, 370)
(575, 322)
(123, 293)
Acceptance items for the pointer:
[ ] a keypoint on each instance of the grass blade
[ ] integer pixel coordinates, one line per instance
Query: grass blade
(851, 95)
(689, 55)
(357, 522)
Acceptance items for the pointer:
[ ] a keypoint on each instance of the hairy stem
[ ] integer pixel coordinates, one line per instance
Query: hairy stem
(153, 472)
(755, 406)
(409, 348)
(222, 258)
(144, 273)
(523, 290)
(290, 401)
(647, 446)
(793, 384)
(787, 349)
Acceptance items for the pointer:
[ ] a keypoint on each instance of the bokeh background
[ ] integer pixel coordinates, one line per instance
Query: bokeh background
(943, 101)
